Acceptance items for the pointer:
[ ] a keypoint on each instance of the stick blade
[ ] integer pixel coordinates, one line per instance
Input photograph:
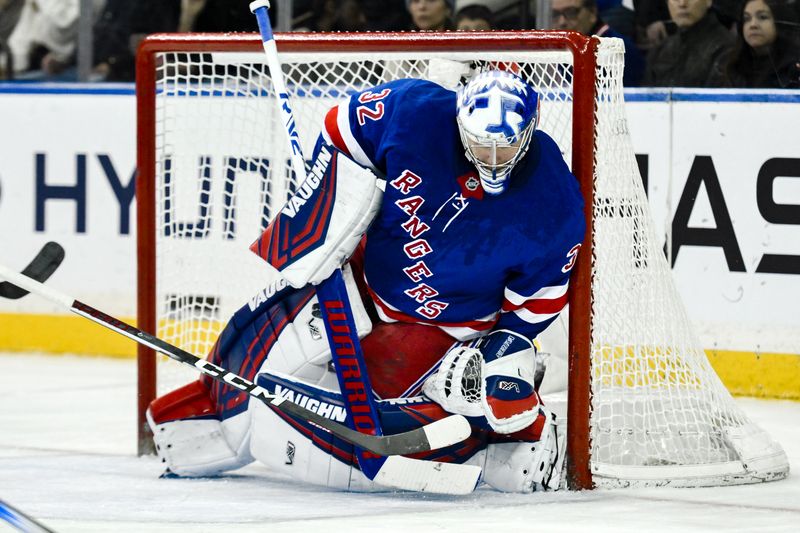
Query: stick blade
(428, 476)
(447, 431)
(41, 268)
(439, 434)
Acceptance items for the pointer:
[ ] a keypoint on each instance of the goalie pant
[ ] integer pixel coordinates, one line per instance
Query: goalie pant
(277, 340)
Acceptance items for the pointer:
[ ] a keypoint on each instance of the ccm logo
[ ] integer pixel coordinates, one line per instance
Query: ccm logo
(508, 385)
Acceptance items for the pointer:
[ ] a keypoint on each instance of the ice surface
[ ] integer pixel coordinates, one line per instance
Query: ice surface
(67, 458)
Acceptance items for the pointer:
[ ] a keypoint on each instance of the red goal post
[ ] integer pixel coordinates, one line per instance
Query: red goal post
(189, 82)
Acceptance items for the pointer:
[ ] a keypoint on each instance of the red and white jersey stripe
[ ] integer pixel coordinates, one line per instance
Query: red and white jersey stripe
(541, 306)
(336, 131)
(462, 331)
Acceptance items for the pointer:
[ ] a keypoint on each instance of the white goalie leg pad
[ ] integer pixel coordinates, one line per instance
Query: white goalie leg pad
(287, 451)
(328, 214)
(527, 466)
(302, 349)
(202, 447)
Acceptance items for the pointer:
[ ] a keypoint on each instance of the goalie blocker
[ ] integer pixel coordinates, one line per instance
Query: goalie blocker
(278, 340)
(323, 221)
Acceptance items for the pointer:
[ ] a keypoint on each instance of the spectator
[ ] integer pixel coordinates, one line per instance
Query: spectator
(356, 15)
(44, 40)
(474, 17)
(386, 15)
(321, 17)
(113, 57)
(349, 16)
(5, 63)
(431, 15)
(151, 16)
(766, 52)
(727, 12)
(653, 24)
(619, 17)
(686, 58)
(9, 14)
(123, 24)
(581, 16)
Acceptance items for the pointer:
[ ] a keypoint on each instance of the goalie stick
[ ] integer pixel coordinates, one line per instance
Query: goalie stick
(40, 268)
(398, 472)
(436, 435)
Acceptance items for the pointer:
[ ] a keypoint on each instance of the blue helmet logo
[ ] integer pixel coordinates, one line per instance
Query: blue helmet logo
(497, 111)
(508, 106)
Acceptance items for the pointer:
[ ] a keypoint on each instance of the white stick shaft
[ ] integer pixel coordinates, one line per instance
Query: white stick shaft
(31, 285)
(276, 73)
(20, 520)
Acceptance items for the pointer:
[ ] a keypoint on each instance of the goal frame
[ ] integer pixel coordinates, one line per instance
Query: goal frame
(583, 50)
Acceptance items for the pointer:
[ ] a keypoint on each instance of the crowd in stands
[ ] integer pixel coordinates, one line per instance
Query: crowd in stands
(668, 43)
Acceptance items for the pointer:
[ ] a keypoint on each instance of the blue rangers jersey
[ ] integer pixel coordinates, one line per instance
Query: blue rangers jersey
(440, 251)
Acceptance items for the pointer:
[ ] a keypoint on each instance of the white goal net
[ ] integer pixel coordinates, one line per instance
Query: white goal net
(659, 414)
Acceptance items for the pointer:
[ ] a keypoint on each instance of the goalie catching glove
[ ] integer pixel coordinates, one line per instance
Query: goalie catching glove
(495, 380)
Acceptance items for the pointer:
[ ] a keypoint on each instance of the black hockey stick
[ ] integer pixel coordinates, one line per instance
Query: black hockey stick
(41, 268)
(20, 520)
(438, 434)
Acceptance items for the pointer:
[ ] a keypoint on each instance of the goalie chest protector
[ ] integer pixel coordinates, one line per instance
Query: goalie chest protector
(441, 251)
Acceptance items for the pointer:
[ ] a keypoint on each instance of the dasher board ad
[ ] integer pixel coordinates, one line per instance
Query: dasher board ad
(721, 170)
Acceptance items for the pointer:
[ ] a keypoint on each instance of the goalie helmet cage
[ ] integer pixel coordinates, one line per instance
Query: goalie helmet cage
(644, 405)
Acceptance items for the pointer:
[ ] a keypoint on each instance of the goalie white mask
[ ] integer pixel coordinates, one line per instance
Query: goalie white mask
(497, 113)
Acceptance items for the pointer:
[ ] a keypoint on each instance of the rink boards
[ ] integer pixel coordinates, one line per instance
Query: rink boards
(718, 166)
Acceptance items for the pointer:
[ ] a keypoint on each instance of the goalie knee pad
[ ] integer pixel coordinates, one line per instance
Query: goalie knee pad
(190, 440)
(301, 348)
(280, 329)
(204, 428)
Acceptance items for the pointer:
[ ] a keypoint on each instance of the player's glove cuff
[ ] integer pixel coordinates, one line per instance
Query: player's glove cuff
(508, 396)
(494, 381)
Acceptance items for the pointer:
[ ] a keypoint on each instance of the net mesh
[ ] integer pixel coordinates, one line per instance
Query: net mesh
(223, 170)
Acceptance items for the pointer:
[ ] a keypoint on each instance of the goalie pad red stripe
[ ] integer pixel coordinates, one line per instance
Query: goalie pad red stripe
(190, 401)
(301, 228)
(275, 325)
(320, 216)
